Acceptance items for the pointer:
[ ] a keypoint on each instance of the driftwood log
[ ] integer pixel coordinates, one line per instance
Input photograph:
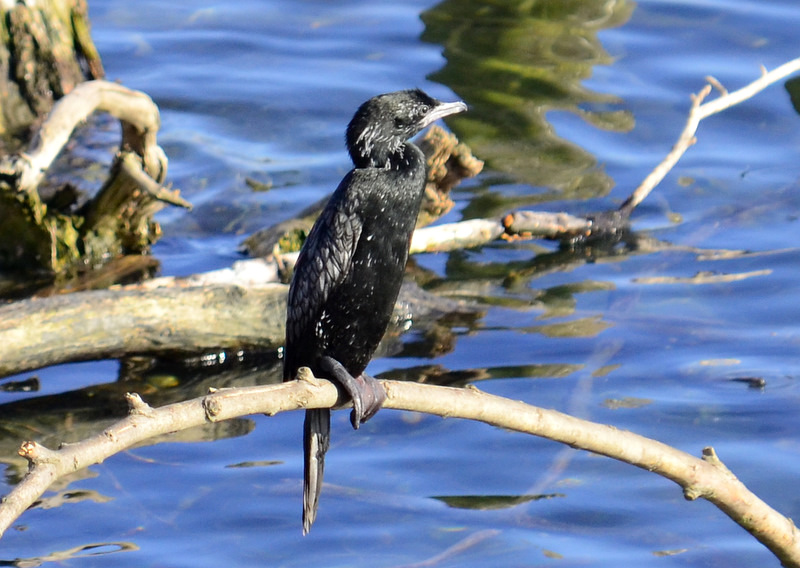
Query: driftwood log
(186, 318)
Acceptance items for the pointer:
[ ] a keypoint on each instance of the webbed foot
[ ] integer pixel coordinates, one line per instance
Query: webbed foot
(366, 391)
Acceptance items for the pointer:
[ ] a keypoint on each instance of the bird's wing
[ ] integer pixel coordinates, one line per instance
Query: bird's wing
(324, 260)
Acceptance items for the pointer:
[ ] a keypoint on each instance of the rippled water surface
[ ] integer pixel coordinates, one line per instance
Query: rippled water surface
(571, 105)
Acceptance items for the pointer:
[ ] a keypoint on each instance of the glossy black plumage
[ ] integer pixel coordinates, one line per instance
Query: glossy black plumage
(350, 269)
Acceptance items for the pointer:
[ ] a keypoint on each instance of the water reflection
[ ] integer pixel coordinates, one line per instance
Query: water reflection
(489, 502)
(82, 551)
(75, 415)
(514, 61)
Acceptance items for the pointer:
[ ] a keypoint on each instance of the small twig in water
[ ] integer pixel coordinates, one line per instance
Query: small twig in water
(698, 112)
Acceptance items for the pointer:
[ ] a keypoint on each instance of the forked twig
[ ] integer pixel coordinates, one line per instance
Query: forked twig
(700, 110)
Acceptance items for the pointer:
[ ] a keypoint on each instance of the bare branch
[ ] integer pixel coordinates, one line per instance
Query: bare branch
(137, 111)
(452, 236)
(707, 477)
(563, 226)
(698, 112)
(133, 168)
(547, 225)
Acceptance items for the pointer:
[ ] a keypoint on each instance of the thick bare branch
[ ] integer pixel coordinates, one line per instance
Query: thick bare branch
(137, 111)
(707, 477)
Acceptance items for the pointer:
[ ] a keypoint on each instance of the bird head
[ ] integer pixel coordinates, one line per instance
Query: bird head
(384, 123)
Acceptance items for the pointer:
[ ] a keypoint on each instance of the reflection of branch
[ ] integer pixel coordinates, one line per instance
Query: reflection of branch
(707, 478)
(702, 278)
(698, 112)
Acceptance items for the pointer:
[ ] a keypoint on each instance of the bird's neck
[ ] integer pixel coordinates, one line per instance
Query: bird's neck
(368, 153)
(397, 178)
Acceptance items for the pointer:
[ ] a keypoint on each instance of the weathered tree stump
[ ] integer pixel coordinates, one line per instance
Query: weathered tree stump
(45, 52)
(118, 220)
(46, 57)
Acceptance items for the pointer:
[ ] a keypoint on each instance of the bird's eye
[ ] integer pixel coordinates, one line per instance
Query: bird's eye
(424, 109)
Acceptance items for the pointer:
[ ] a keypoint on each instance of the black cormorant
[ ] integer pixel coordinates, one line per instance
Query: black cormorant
(351, 266)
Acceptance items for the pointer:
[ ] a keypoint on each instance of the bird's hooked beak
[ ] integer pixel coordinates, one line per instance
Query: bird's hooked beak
(441, 110)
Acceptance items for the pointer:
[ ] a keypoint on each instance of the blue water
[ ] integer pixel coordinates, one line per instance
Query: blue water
(263, 90)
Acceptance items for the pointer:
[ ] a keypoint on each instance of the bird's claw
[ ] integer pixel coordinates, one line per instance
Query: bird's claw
(366, 392)
(367, 399)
